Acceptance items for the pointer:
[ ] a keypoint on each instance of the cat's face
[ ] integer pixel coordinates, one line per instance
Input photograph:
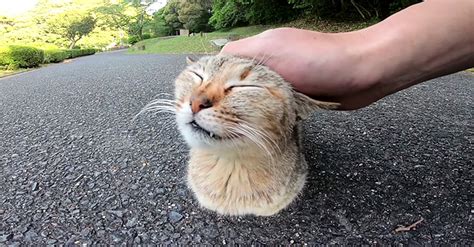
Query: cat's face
(225, 101)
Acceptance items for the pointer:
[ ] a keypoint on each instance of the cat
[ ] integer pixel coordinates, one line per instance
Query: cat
(241, 122)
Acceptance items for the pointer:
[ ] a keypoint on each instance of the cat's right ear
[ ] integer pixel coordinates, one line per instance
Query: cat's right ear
(306, 105)
(189, 60)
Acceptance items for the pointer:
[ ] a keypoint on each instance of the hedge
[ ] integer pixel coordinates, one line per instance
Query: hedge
(54, 56)
(15, 56)
(72, 53)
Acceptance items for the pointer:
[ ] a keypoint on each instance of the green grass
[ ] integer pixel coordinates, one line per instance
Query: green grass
(192, 44)
(202, 44)
(470, 70)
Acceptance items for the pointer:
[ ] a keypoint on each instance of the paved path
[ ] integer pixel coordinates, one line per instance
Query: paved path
(75, 170)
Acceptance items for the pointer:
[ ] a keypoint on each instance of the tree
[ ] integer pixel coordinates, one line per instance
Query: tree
(194, 15)
(117, 16)
(352, 9)
(170, 14)
(227, 14)
(236, 12)
(129, 16)
(6, 24)
(158, 26)
(72, 25)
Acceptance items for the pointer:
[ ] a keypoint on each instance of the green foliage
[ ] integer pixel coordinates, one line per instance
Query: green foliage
(54, 56)
(15, 56)
(170, 14)
(243, 12)
(146, 36)
(72, 53)
(158, 26)
(115, 16)
(227, 14)
(72, 25)
(354, 9)
(133, 39)
(194, 15)
(235, 12)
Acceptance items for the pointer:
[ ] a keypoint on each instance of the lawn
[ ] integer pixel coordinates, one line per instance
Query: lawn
(193, 44)
(202, 44)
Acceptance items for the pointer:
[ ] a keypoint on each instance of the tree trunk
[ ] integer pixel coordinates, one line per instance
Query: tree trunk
(73, 43)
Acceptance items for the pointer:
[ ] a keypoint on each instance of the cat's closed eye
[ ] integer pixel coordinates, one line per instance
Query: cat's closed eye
(197, 74)
(228, 89)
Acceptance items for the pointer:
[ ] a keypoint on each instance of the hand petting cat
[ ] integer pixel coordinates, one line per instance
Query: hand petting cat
(422, 42)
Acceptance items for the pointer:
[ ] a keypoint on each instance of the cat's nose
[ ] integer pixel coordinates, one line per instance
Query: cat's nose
(200, 102)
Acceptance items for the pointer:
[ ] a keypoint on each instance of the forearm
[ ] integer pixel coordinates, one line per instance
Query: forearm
(427, 40)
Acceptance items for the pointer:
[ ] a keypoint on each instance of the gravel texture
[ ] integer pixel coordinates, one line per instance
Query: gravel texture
(75, 170)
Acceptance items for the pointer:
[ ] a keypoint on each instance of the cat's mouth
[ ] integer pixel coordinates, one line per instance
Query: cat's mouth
(197, 128)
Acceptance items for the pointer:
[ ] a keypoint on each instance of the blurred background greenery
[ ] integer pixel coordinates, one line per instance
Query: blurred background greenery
(61, 29)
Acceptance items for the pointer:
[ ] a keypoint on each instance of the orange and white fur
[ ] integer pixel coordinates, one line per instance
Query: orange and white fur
(240, 120)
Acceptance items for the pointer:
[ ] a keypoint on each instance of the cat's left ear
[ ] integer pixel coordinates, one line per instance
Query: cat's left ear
(190, 60)
(306, 105)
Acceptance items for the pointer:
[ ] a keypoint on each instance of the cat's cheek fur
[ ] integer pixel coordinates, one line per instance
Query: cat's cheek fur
(184, 115)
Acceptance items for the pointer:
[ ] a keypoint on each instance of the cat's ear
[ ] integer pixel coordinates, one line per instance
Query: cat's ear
(306, 105)
(190, 60)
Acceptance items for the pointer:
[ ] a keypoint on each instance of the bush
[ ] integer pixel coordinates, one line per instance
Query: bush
(72, 53)
(15, 56)
(54, 56)
(133, 39)
(146, 36)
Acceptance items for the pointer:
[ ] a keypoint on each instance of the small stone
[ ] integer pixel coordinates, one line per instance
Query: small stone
(51, 241)
(118, 213)
(15, 244)
(176, 235)
(131, 223)
(86, 231)
(137, 240)
(134, 187)
(71, 241)
(181, 193)
(116, 238)
(169, 227)
(18, 237)
(174, 217)
(124, 197)
(31, 235)
(100, 233)
(35, 186)
(6, 237)
(198, 238)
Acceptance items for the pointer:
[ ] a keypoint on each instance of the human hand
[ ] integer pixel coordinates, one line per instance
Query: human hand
(425, 41)
(321, 65)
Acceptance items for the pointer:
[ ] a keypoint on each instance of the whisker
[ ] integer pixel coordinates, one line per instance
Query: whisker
(158, 105)
(255, 138)
(264, 135)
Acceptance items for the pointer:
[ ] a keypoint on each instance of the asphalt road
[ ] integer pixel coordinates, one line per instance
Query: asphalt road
(75, 170)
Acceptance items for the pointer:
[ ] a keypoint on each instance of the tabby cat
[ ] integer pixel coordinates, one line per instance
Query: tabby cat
(240, 120)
